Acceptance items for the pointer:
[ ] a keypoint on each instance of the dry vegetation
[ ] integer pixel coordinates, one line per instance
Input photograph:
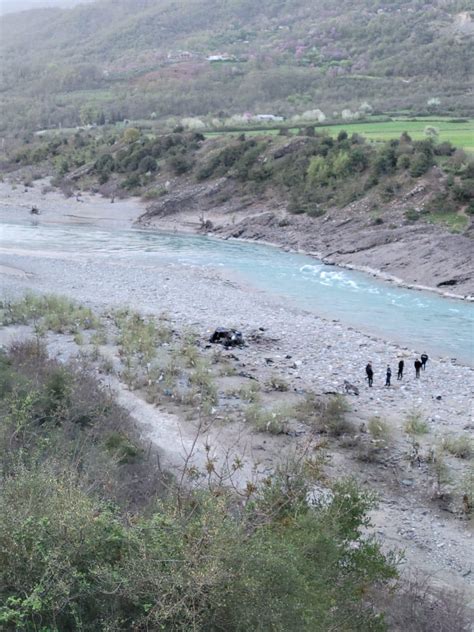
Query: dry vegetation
(70, 451)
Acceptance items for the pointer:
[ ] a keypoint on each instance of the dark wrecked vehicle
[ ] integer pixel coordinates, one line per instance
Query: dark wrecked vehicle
(227, 337)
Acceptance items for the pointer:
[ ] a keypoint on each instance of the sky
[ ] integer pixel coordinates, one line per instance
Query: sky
(11, 6)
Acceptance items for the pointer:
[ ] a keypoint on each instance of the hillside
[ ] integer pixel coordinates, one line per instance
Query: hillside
(142, 59)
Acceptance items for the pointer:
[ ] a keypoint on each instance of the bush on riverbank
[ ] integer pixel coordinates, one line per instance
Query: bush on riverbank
(95, 538)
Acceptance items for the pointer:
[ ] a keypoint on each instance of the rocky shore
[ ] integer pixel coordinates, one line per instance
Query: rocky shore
(312, 353)
(410, 254)
(418, 256)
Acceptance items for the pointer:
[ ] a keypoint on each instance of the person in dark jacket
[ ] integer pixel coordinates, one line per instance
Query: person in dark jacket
(388, 376)
(401, 365)
(418, 366)
(370, 373)
(424, 360)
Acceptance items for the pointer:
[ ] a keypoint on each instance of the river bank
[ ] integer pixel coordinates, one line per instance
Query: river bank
(17, 200)
(421, 257)
(352, 245)
(313, 354)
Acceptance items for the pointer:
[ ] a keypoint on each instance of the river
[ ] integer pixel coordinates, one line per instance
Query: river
(422, 320)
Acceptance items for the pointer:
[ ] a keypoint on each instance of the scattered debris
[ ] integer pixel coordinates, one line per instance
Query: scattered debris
(227, 337)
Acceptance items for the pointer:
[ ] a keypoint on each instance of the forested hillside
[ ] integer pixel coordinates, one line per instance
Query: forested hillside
(145, 59)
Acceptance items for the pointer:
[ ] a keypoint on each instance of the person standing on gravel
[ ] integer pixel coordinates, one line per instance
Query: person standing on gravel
(401, 365)
(424, 360)
(418, 365)
(370, 373)
(388, 376)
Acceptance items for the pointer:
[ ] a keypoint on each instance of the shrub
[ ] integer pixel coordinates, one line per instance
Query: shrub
(189, 353)
(147, 164)
(238, 156)
(420, 163)
(441, 471)
(334, 416)
(201, 378)
(277, 383)
(444, 149)
(131, 182)
(180, 163)
(412, 215)
(403, 161)
(105, 164)
(120, 446)
(74, 555)
(138, 337)
(99, 337)
(318, 171)
(441, 203)
(70, 536)
(78, 339)
(418, 605)
(250, 393)
(379, 429)
(464, 191)
(459, 446)
(415, 424)
(386, 160)
(154, 193)
(309, 410)
(264, 420)
(52, 312)
(131, 135)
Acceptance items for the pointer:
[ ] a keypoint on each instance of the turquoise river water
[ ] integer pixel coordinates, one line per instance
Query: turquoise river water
(420, 320)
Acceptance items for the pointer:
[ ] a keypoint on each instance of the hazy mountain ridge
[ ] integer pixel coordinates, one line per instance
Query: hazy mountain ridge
(281, 56)
(15, 6)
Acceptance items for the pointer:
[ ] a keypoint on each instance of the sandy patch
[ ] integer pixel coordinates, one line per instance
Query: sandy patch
(16, 202)
(14, 272)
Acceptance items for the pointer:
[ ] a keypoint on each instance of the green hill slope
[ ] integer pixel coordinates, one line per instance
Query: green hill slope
(140, 58)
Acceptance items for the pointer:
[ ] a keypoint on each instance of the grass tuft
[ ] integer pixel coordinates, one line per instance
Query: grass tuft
(415, 424)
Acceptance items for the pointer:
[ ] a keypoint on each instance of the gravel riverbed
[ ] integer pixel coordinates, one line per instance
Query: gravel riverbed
(312, 352)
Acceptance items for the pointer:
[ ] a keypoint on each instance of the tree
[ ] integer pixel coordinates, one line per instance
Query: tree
(420, 163)
(88, 115)
(433, 103)
(147, 164)
(131, 135)
(431, 132)
(366, 108)
(340, 164)
(318, 171)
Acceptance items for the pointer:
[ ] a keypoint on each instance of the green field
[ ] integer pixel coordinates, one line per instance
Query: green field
(460, 134)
